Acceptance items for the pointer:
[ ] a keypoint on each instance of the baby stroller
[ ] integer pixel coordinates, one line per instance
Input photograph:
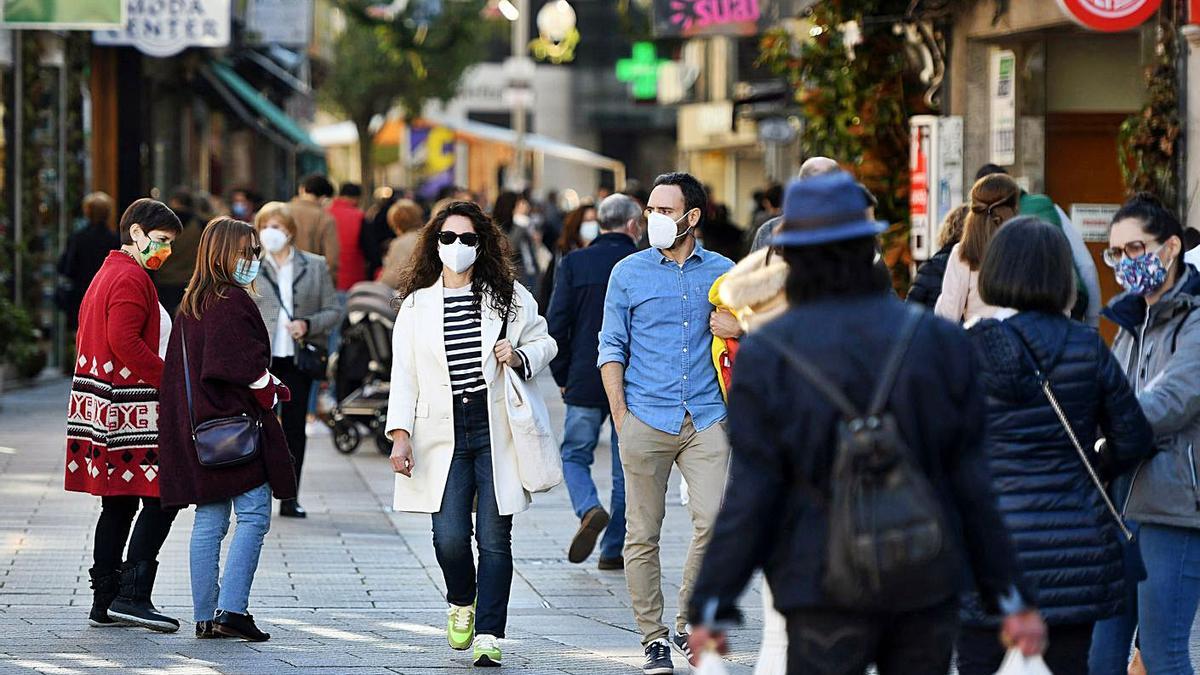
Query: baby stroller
(362, 368)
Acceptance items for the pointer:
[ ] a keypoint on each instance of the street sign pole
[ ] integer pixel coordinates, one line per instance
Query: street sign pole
(520, 42)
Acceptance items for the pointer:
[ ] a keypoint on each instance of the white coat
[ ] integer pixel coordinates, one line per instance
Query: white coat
(421, 402)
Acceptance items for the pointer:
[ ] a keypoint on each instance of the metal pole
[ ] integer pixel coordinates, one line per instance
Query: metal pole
(520, 42)
(18, 157)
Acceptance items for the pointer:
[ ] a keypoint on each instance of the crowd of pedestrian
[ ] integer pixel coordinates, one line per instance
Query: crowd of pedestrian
(971, 476)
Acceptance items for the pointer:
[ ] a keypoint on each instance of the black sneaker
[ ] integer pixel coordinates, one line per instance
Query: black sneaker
(658, 658)
(611, 564)
(680, 642)
(590, 527)
(241, 626)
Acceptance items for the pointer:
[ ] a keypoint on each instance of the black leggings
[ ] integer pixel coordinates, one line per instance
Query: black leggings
(112, 530)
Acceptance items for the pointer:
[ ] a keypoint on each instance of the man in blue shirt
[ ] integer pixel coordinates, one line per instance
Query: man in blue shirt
(576, 310)
(657, 368)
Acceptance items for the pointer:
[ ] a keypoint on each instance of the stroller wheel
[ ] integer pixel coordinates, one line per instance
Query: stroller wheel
(346, 437)
(382, 444)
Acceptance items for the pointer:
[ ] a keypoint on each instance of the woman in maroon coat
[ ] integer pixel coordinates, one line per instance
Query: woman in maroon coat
(227, 351)
(112, 419)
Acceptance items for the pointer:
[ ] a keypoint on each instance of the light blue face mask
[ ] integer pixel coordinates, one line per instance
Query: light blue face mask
(246, 272)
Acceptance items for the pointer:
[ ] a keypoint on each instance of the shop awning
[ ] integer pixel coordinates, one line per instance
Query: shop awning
(257, 110)
(533, 142)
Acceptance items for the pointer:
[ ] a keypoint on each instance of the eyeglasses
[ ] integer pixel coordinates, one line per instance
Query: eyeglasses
(1133, 249)
(467, 238)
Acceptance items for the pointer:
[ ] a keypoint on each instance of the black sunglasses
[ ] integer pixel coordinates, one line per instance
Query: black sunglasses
(254, 251)
(467, 238)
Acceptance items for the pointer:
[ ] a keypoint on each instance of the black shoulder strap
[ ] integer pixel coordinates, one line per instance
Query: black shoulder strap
(278, 296)
(831, 391)
(187, 381)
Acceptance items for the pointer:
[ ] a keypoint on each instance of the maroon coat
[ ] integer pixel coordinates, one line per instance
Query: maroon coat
(228, 349)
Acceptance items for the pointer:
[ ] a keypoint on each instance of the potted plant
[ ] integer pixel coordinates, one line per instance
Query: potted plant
(20, 356)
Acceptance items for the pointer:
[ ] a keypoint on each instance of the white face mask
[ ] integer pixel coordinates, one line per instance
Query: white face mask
(273, 239)
(662, 231)
(457, 256)
(589, 230)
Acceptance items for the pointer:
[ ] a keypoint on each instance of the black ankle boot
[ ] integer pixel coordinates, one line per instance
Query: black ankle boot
(104, 590)
(133, 604)
(242, 626)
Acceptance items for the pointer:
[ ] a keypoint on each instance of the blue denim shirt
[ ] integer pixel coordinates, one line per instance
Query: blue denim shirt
(656, 325)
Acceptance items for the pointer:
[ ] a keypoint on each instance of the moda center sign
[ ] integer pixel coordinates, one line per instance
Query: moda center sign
(1110, 16)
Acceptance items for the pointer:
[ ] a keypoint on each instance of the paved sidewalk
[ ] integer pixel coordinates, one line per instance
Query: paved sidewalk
(352, 589)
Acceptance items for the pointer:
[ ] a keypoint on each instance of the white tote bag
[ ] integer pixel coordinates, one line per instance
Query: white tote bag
(539, 463)
(1015, 663)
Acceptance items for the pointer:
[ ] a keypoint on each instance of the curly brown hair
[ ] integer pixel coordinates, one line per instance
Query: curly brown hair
(493, 271)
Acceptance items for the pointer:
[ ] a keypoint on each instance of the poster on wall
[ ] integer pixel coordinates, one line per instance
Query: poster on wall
(1004, 107)
(164, 29)
(62, 14)
(1092, 220)
(279, 22)
(432, 156)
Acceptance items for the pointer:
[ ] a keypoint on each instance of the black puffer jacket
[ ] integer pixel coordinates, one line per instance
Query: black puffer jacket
(927, 287)
(1067, 544)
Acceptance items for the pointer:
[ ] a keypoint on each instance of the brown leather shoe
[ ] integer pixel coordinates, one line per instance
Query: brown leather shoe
(590, 527)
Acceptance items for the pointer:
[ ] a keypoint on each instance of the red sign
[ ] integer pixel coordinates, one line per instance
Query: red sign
(1110, 16)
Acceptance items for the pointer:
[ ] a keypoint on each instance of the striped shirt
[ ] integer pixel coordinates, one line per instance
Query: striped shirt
(464, 340)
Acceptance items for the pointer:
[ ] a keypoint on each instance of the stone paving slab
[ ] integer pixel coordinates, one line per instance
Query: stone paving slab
(353, 589)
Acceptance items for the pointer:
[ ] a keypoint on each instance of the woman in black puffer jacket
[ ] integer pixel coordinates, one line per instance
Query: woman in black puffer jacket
(927, 287)
(1068, 544)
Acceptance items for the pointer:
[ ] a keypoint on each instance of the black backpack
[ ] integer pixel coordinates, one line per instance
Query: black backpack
(887, 546)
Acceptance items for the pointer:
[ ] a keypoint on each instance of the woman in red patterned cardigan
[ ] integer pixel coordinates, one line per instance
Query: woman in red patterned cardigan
(112, 420)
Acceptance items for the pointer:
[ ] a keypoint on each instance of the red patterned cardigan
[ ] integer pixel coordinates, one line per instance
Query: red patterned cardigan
(112, 420)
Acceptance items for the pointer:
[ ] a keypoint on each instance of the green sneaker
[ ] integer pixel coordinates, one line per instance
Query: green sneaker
(460, 626)
(487, 652)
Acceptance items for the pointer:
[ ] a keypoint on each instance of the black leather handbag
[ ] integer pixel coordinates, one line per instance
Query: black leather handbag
(312, 360)
(224, 441)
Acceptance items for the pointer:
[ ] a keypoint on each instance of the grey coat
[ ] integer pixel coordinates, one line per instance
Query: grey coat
(1160, 353)
(313, 297)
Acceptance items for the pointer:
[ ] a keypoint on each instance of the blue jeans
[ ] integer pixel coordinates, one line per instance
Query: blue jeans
(580, 437)
(469, 485)
(229, 592)
(1162, 608)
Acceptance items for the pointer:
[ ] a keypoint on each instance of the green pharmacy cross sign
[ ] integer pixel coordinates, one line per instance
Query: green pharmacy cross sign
(641, 71)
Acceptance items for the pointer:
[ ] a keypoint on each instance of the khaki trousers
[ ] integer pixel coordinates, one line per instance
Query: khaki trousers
(647, 455)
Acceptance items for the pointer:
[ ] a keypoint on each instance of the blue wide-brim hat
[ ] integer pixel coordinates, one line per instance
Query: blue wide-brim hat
(824, 209)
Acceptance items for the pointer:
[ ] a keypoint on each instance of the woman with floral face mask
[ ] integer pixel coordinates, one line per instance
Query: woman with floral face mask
(1159, 347)
(464, 324)
(112, 422)
(217, 367)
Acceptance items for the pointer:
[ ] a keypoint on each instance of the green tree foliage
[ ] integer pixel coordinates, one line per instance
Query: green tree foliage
(1148, 142)
(857, 101)
(402, 60)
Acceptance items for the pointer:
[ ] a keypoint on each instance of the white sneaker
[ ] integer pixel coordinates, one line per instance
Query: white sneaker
(316, 428)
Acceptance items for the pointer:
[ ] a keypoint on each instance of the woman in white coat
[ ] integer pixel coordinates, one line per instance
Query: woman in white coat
(452, 449)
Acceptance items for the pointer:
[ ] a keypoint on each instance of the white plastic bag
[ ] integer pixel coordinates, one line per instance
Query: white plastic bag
(539, 462)
(1016, 663)
(711, 663)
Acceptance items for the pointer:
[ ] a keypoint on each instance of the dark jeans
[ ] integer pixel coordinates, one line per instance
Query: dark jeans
(1162, 608)
(980, 651)
(293, 414)
(112, 531)
(470, 482)
(835, 642)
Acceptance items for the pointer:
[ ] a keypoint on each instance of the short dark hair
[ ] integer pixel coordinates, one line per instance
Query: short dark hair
(317, 185)
(1028, 267)
(694, 196)
(840, 268)
(351, 190)
(774, 196)
(989, 170)
(151, 215)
